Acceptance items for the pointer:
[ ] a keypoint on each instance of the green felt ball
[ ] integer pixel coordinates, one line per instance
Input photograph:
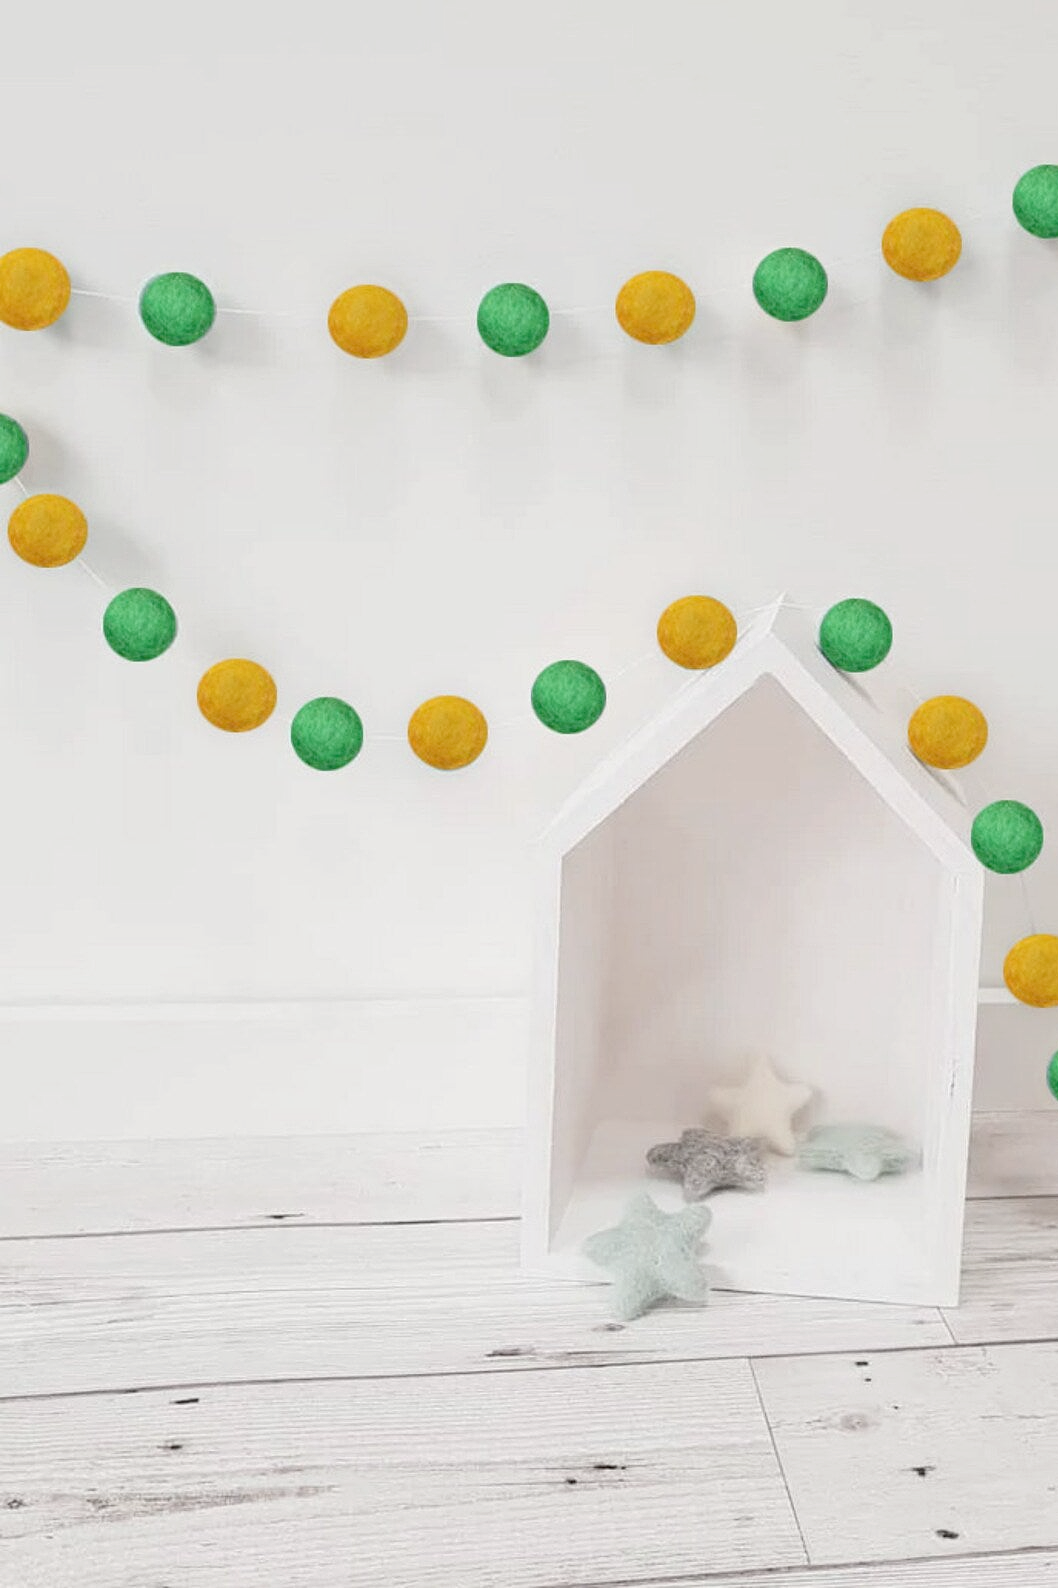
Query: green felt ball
(139, 625)
(1006, 836)
(569, 697)
(1036, 201)
(177, 309)
(855, 635)
(327, 733)
(790, 284)
(14, 448)
(513, 319)
(1052, 1076)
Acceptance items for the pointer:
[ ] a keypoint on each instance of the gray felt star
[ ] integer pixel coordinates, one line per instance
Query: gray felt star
(705, 1162)
(652, 1255)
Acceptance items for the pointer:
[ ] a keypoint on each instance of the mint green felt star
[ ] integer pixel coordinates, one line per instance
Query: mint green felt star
(652, 1255)
(865, 1152)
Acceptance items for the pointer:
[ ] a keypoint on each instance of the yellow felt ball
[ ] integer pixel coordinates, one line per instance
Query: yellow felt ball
(947, 731)
(655, 307)
(448, 732)
(47, 530)
(1031, 970)
(921, 244)
(34, 289)
(697, 631)
(236, 695)
(367, 321)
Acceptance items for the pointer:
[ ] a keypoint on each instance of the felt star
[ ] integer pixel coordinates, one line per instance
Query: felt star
(762, 1106)
(863, 1151)
(705, 1162)
(652, 1255)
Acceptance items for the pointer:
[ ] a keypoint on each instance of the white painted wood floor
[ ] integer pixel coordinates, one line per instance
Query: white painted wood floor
(313, 1364)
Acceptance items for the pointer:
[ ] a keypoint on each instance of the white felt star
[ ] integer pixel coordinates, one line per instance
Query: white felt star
(762, 1106)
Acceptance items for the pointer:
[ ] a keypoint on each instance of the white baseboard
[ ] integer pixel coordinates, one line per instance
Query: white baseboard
(133, 1072)
(137, 1072)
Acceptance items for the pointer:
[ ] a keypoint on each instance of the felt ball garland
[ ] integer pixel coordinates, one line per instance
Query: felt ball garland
(568, 696)
(1007, 836)
(790, 284)
(327, 733)
(921, 244)
(14, 448)
(695, 632)
(47, 531)
(177, 309)
(1036, 201)
(139, 625)
(513, 319)
(367, 321)
(855, 635)
(1052, 1076)
(655, 307)
(34, 289)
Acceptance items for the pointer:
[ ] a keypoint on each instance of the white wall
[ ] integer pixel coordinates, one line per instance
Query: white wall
(447, 520)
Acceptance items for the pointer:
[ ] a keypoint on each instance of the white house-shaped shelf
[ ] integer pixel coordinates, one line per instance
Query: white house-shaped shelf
(764, 869)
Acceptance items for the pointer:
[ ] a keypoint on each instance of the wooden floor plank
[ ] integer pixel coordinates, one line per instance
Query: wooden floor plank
(79, 1188)
(95, 1188)
(1026, 1569)
(591, 1476)
(1010, 1273)
(220, 1306)
(919, 1453)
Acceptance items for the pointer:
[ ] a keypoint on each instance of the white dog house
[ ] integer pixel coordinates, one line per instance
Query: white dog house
(763, 870)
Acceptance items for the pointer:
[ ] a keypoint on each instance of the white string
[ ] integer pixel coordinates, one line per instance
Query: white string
(413, 319)
(640, 661)
(90, 571)
(278, 314)
(302, 314)
(113, 297)
(104, 297)
(584, 308)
